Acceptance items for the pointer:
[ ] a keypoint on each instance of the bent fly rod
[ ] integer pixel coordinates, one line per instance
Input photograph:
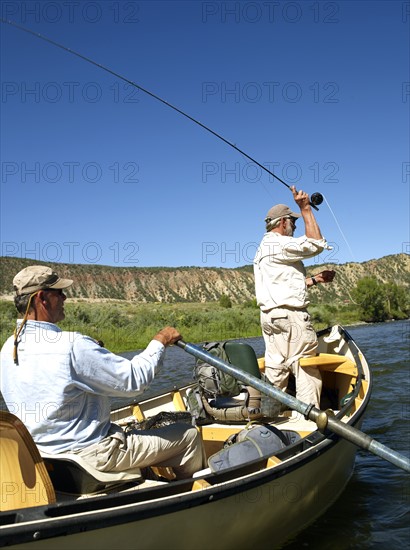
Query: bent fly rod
(315, 199)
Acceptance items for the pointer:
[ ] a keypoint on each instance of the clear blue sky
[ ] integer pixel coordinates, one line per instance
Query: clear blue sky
(94, 171)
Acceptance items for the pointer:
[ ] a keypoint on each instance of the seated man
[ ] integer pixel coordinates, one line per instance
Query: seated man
(60, 385)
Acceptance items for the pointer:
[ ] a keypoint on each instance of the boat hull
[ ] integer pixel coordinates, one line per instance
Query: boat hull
(263, 508)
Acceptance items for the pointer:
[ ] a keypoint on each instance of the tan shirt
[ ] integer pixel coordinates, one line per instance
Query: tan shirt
(279, 271)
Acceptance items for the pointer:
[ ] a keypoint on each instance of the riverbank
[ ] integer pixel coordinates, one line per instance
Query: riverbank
(126, 326)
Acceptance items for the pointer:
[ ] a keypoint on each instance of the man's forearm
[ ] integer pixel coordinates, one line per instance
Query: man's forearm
(312, 229)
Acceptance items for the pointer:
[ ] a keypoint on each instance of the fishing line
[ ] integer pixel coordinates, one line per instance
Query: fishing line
(346, 241)
(340, 229)
(315, 199)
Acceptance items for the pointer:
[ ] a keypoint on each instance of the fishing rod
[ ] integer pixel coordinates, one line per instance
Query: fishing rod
(315, 199)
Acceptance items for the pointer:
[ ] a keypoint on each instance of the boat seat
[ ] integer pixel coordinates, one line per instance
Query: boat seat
(24, 478)
(72, 474)
(222, 402)
(243, 356)
(330, 362)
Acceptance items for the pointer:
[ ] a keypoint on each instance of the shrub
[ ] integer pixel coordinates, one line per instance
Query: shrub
(225, 301)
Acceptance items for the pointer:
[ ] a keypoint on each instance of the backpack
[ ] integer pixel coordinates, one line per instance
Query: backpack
(253, 442)
(220, 396)
(212, 381)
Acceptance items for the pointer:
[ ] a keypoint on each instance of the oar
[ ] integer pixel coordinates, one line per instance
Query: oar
(324, 420)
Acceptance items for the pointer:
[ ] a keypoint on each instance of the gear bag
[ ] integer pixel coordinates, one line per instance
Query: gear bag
(253, 442)
(212, 381)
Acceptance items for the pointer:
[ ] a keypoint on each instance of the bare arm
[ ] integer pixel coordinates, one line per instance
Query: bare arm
(312, 229)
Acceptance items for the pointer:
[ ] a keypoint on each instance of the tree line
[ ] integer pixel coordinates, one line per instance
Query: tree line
(378, 302)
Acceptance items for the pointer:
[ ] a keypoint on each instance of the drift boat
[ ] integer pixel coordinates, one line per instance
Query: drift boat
(48, 503)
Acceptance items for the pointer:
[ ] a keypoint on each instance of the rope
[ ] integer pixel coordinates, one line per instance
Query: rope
(18, 332)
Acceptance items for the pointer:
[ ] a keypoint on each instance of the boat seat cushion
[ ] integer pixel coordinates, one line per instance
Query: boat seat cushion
(72, 474)
(222, 402)
(24, 478)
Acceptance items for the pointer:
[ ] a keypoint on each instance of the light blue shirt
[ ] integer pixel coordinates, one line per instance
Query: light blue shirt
(62, 387)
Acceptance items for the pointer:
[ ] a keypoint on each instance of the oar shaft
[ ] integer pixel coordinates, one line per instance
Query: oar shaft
(367, 443)
(332, 424)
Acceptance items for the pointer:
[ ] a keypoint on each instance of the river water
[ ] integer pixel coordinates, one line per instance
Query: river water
(374, 510)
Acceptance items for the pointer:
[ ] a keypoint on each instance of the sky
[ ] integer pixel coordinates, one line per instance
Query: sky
(95, 171)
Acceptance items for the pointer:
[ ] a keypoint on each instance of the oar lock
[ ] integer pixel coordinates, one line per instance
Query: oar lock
(322, 419)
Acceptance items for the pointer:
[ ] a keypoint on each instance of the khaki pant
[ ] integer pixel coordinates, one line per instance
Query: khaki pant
(288, 336)
(178, 446)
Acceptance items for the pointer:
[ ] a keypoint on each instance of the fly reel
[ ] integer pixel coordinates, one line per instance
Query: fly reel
(315, 200)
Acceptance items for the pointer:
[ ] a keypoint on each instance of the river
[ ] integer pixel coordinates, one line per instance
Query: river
(374, 510)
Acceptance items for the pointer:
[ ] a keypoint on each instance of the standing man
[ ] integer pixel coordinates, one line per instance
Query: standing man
(281, 293)
(60, 385)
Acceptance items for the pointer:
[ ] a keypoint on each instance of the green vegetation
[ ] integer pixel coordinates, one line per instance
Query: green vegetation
(125, 326)
(225, 301)
(379, 302)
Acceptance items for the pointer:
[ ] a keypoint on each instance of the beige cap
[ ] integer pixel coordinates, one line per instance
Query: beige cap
(38, 277)
(280, 211)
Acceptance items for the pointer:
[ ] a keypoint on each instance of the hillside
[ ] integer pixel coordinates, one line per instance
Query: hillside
(195, 284)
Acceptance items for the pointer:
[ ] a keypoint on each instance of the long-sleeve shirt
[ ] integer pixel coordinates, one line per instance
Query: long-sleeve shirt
(279, 270)
(63, 383)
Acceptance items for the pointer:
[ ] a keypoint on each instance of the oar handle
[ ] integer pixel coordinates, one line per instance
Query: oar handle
(323, 419)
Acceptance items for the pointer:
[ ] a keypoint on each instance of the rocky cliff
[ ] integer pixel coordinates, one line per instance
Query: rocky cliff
(195, 284)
